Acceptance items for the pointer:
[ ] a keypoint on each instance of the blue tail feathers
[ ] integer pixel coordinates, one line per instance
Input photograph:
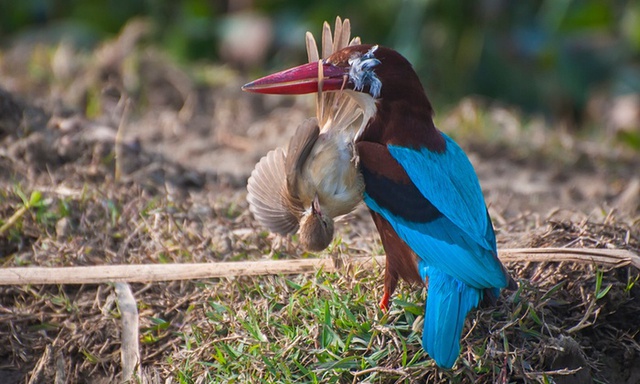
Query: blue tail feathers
(448, 303)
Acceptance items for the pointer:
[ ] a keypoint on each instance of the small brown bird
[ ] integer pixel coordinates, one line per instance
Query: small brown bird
(316, 179)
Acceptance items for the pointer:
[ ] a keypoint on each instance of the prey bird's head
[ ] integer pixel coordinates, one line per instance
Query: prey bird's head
(373, 70)
(316, 228)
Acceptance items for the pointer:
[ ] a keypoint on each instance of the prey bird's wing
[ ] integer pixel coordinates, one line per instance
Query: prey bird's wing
(268, 197)
(300, 146)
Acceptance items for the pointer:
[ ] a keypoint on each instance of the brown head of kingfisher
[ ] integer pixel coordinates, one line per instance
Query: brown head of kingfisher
(420, 187)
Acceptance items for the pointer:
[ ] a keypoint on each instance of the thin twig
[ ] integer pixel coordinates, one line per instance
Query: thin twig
(120, 139)
(563, 371)
(400, 372)
(14, 218)
(584, 322)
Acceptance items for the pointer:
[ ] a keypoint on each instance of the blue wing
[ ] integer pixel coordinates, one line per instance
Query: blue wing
(449, 182)
(459, 240)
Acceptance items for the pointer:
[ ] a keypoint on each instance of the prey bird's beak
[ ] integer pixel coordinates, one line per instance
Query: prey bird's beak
(302, 79)
(315, 206)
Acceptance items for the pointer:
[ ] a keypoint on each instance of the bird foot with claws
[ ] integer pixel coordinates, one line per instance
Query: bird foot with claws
(355, 159)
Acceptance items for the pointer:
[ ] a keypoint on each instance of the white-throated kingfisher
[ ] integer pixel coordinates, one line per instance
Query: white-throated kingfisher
(422, 191)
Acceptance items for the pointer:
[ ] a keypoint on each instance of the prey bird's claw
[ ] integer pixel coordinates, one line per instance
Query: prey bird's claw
(355, 159)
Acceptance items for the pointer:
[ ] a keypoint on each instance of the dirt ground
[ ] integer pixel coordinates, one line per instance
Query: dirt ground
(190, 138)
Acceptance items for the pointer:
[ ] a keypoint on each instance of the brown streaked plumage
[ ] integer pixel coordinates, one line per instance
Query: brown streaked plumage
(316, 179)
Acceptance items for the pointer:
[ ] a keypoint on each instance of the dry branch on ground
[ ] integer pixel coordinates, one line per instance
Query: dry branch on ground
(145, 273)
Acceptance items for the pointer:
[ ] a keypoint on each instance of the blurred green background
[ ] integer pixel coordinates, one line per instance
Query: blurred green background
(553, 57)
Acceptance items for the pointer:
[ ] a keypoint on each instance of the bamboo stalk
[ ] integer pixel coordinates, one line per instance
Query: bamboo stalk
(165, 272)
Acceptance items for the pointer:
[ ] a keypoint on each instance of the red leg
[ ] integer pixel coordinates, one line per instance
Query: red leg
(400, 260)
(384, 303)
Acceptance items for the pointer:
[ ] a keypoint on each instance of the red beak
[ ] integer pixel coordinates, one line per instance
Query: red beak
(300, 80)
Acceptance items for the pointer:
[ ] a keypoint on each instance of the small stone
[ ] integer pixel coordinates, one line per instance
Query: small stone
(63, 228)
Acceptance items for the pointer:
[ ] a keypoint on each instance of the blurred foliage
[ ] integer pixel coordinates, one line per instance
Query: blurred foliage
(551, 56)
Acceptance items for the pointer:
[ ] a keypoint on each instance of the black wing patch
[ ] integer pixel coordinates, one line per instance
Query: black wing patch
(389, 185)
